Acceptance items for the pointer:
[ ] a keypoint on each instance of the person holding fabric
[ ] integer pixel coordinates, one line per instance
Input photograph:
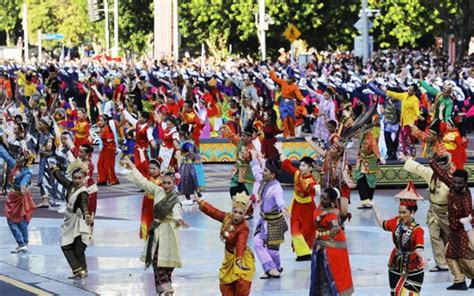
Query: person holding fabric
(367, 167)
(407, 260)
(75, 231)
(437, 215)
(459, 256)
(330, 266)
(19, 205)
(106, 162)
(238, 268)
(289, 92)
(162, 248)
(302, 205)
(271, 227)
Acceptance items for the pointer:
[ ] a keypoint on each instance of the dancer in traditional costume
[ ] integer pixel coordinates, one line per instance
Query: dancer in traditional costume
(338, 174)
(367, 167)
(85, 155)
(459, 256)
(407, 260)
(289, 93)
(238, 268)
(75, 231)
(82, 129)
(271, 227)
(242, 179)
(302, 205)
(19, 206)
(191, 170)
(270, 131)
(170, 150)
(330, 267)
(191, 117)
(162, 248)
(437, 215)
(155, 176)
(106, 162)
(144, 139)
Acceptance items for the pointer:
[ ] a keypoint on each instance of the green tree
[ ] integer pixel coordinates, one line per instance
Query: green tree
(10, 11)
(222, 22)
(68, 17)
(403, 22)
(135, 25)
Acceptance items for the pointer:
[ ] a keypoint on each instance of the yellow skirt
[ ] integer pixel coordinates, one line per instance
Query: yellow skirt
(230, 272)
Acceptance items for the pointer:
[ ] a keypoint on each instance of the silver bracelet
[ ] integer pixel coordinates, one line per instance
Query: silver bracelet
(468, 227)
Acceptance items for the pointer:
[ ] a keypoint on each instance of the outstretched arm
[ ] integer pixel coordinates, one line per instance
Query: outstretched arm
(56, 172)
(440, 173)
(378, 216)
(211, 211)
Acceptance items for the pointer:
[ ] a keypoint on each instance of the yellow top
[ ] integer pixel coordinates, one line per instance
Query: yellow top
(410, 107)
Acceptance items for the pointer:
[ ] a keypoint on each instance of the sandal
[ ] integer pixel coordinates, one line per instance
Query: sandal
(267, 275)
(438, 269)
(78, 275)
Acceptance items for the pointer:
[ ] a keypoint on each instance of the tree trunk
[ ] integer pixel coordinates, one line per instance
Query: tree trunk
(7, 32)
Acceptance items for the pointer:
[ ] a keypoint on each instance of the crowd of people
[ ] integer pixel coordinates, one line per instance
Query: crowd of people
(153, 115)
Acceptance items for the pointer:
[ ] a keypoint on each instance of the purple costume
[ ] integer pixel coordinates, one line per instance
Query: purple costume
(271, 203)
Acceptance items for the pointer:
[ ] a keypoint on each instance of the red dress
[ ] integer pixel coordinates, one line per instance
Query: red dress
(106, 162)
(405, 266)
(147, 209)
(270, 132)
(330, 266)
(302, 208)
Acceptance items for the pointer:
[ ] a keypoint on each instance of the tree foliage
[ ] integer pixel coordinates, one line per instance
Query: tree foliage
(10, 11)
(68, 17)
(135, 25)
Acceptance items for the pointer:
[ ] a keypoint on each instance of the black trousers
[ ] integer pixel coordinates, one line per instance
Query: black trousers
(75, 254)
(237, 189)
(392, 145)
(365, 192)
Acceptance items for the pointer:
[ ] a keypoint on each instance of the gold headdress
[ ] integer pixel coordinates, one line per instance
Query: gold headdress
(75, 166)
(241, 200)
